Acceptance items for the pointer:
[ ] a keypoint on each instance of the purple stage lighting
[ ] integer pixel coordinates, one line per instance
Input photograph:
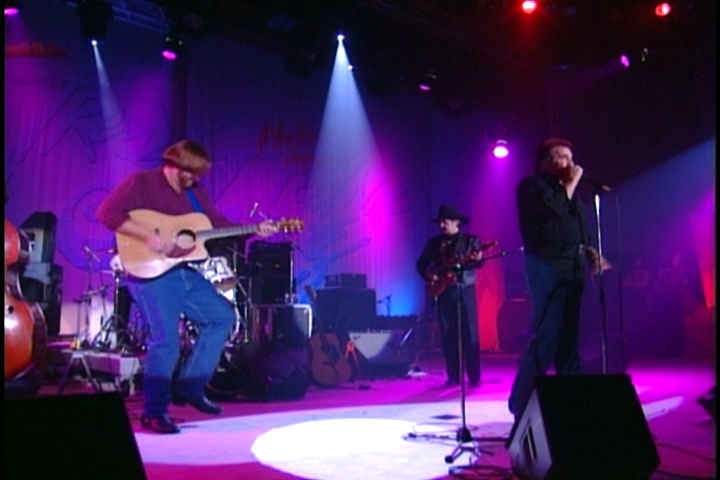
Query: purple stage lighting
(500, 150)
(424, 87)
(10, 11)
(169, 54)
(625, 60)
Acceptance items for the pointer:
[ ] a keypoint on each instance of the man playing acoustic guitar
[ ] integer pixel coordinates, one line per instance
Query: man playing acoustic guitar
(451, 247)
(172, 189)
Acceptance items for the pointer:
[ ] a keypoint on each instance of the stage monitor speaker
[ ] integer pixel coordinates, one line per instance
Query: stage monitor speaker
(75, 436)
(583, 426)
(387, 352)
(341, 309)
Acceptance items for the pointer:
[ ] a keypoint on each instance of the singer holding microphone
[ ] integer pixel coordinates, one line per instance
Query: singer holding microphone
(557, 253)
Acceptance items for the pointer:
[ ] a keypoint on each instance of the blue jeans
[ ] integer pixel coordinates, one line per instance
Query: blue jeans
(556, 296)
(162, 300)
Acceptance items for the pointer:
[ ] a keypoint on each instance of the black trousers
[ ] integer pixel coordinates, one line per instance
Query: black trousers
(448, 316)
(556, 296)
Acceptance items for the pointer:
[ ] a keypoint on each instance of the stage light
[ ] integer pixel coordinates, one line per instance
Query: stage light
(625, 61)
(95, 15)
(94, 42)
(662, 9)
(529, 6)
(351, 68)
(340, 37)
(428, 80)
(501, 150)
(12, 8)
(172, 47)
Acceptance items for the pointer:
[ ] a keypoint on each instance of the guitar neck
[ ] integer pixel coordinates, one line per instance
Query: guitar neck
(226, 232)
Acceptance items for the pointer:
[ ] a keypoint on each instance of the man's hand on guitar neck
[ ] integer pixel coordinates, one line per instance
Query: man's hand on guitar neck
(267, 228)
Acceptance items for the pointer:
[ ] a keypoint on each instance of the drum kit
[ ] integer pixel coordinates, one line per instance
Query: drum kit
(106, 324)
(108, 320)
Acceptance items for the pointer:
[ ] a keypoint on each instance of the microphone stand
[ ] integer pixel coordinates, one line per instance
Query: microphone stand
(601, 289)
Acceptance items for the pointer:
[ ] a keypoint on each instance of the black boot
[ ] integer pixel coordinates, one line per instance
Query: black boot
(159, 424)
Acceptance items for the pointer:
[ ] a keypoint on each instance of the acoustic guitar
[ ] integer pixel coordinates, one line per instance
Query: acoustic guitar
(440, 276)
(187, 232)
(329, 366)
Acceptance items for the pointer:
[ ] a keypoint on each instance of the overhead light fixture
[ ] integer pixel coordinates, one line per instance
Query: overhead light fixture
(663, 9)
(12, 8)
(95, 16)
(501, 149)
(428, 80)
(173, 46)
(529, 6)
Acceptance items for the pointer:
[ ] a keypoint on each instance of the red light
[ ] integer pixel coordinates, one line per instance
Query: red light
(662, 9)
(529, 6)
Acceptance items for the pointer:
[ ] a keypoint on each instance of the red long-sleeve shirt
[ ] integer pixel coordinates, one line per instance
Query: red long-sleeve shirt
(150, 189)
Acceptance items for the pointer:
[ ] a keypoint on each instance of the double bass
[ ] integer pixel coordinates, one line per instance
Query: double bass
(25, 328)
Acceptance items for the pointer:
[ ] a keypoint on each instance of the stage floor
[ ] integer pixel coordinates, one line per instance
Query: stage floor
(363, 430)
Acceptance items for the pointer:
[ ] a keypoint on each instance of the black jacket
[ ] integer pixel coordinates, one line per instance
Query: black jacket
(443, 246)
(552, 226)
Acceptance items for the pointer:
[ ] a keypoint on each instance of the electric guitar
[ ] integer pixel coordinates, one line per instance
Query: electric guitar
(440, 276)
(187, 232)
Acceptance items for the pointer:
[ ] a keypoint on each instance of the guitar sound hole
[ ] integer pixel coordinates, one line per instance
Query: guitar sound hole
(185, 239)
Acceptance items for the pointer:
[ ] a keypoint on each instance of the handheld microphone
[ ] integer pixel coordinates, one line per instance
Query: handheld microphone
(598, 185)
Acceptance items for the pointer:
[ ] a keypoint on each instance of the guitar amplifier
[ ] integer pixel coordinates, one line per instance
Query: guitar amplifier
(271, 272)
(342, 309)
(346, 280)
(289, 325)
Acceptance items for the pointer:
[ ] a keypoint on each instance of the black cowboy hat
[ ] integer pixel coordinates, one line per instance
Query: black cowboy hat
(451, 214)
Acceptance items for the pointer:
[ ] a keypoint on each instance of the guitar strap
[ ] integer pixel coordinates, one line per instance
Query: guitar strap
(193, 200)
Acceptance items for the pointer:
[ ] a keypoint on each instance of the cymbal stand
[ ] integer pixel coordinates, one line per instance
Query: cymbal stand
(113, 335)
(241, 312)
(84, 301)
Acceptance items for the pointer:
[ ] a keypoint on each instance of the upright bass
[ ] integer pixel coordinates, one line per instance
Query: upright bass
(25, 328)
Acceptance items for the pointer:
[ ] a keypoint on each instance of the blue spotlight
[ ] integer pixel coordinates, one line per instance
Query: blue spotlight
(94, 42)
(340, 37)
(351, 68)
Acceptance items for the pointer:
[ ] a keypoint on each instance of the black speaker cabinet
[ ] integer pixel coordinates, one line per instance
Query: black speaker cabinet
(75, 436)
(341, 309)
(289, 325)
(583, 426)
(40, 228)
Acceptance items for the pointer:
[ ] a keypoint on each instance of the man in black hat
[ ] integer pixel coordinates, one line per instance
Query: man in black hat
(433, 263)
